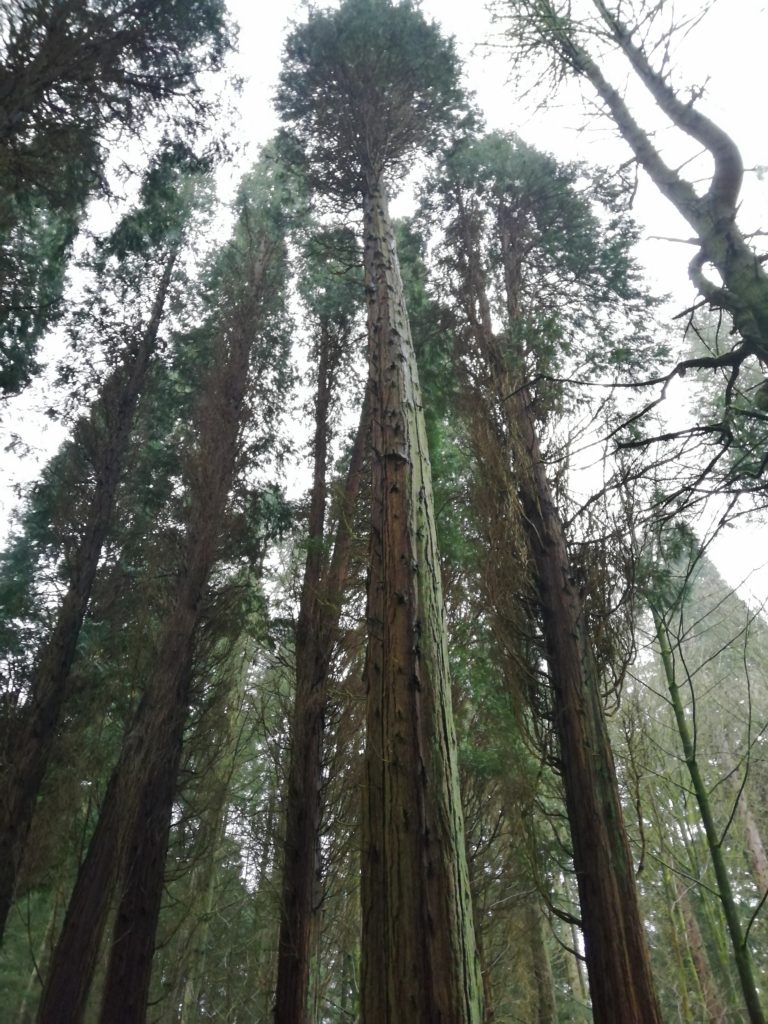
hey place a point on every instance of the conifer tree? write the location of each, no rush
(131, 835)
(331, 296)
(363, 88)
(143, 248)
(505, 198)
(70, 72)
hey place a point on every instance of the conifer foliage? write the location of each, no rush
(353, 668)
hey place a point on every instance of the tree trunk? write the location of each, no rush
(618, 963)
(147, 755)
(713, 1007)
(129, 972)
(315, 632)
(741, 953)
(29, 745)
(419, 958)
(758, 857)
(544, 983)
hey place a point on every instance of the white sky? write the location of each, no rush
(726, 51)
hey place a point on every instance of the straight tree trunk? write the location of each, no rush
(618, 963)
(139, 783)
(616, 951)
(125, 996)
(546, 1011)
(419, 958)
(29, 745)
(316, 627)
(758, 857)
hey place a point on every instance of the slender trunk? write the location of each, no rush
(618, 963)
(129, 972)
(575, 968)
(303, 811)
(315, 639)
(713, 1007)
(29, 745)
(674, 935)
(419, 958)
(741, 953)
(144, 760)
(546, 1011)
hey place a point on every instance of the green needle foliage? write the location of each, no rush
(363, 88)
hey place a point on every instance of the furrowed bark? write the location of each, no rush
(30, 742)
(617, 958)
(144, 759)
(419, 958)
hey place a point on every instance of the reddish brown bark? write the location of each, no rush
(617, 958)
(419, 958)
(152, 741)
(129, 971)
(28, 746)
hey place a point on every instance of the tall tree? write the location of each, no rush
(666, 598)
(132, 830)
(363, 88)
(331, 296)
(506, 199)
(144, 247)
(69, 73)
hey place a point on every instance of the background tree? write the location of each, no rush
(130, 838)
(549, 27)
(516, 228)
(143, 248)
(70, 73)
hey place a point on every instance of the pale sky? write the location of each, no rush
(726, 52)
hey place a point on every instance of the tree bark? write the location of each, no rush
(419, 958)
(618, 962)
(315, 633)
(29, 744)
(140, 781)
